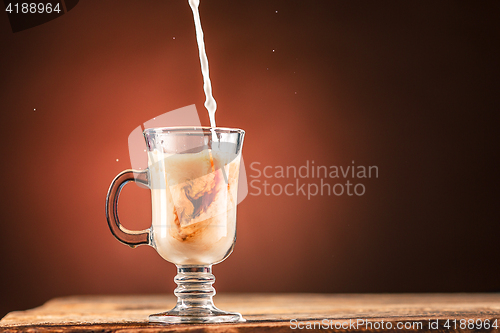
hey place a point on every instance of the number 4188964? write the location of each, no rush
(471, 324)
(32, 8)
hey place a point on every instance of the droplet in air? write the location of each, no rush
(117, 160)
(276, 12)
(273, 50)
(173, 37)
(34, 109)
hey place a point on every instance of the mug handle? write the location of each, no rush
(128, 237)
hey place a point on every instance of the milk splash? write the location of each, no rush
(210, 103)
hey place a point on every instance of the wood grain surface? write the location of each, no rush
(267, 313)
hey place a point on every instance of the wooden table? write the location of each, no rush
(269, 313)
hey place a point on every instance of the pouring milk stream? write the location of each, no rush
(210, 103)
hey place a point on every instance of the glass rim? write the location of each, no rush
(192, 130)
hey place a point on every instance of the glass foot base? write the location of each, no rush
(193, 315)
(194, 299)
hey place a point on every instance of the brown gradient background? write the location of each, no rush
(411, 87)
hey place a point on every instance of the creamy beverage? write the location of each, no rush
(194, 208)
(194, 194)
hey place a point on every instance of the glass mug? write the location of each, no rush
(193, 177)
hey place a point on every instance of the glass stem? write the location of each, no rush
(194, 299)
(194, 287)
